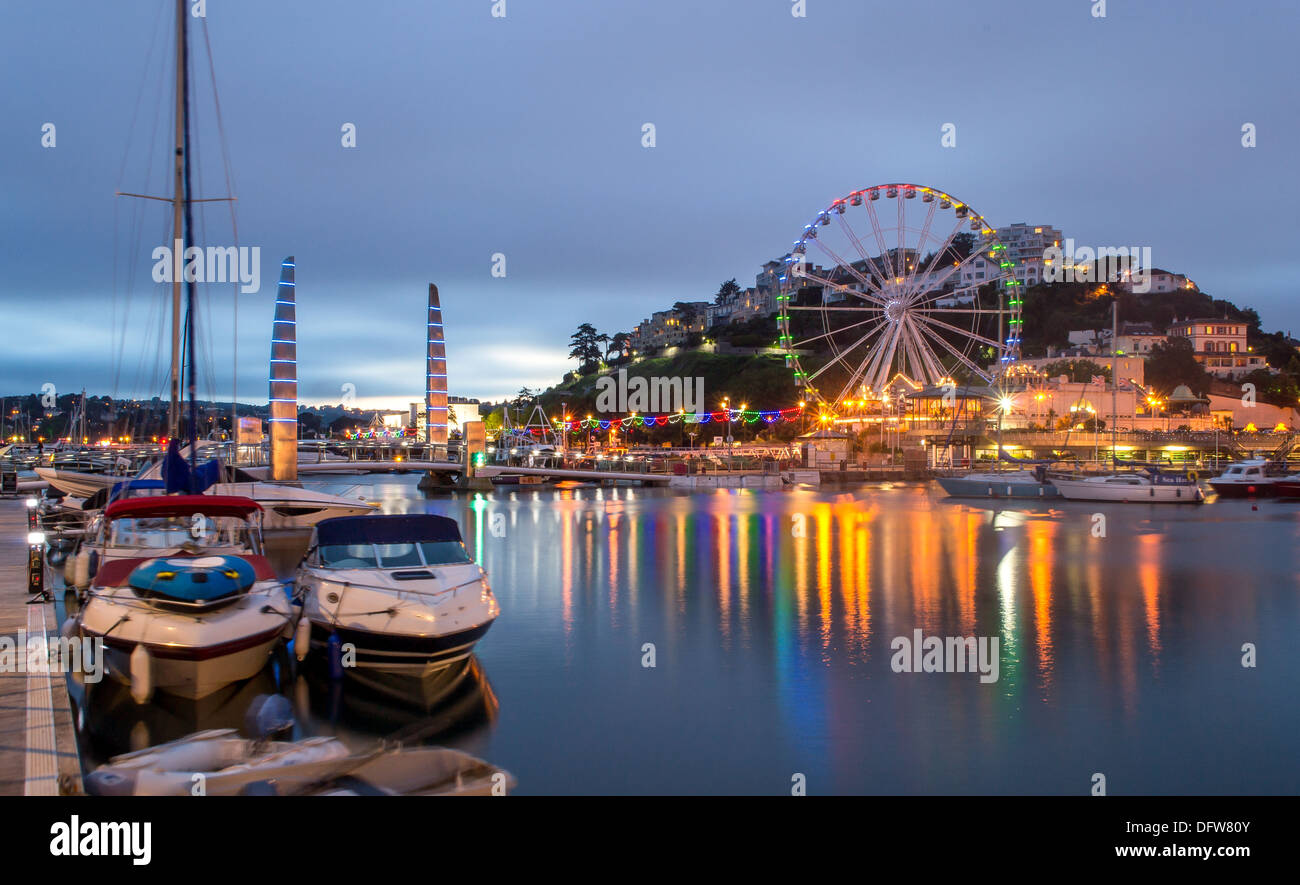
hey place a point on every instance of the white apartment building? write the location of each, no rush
(1025, 244)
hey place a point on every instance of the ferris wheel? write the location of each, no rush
(921, 289)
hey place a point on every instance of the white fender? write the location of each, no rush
(302, 638)
(141, 674)
(81, 568)
(70, 568)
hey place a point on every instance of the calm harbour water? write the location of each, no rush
(772, 614)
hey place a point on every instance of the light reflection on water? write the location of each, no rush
(771, 615)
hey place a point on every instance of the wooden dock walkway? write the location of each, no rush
(38, 749)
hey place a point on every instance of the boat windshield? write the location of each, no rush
(162, 532)
(426, 553)
(444, 553)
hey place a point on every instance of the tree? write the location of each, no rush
(687, 311)
(729, 289)
(1277, 390)
(1078, 371)
(584, 348)
(1174, 363)
(603, 340)
(618, 344)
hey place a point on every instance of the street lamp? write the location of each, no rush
(726, 404)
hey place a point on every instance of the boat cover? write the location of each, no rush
(406, 528)
(183, 505)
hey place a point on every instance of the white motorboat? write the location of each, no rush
(400, 589)
(78, 485)
(1137, 488)
(294, 507)
(229, 765)
(202, 610)
(100, 541)
(286, 506)
(1245, 479)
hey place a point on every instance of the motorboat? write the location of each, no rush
(294, 507)
(226, 764)
(1245, 479)
(102, 541)
(286, 506)
(1287, 486)
(1004, 484)
(1151, 487)
(401, 590)
(183, 599)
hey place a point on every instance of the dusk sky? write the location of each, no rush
(522, 135)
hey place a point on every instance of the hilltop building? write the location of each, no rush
(1219, 345)
(1025, 244)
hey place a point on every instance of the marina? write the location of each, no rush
(626, 556)
(494, 399)
(1084, 650)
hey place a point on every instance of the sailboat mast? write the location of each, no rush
(178, 201)
(1114, 379)
(191, 365)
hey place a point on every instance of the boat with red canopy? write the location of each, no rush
(183, 600)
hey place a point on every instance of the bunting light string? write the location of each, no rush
(748, 416)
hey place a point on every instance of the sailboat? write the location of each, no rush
(1028, 480)
(288, 506)
(201, 608)
(1150, 487)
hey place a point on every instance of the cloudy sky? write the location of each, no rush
(522, 136)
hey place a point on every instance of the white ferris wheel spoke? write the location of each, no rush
(840, 356)
(840, 262)
(914, 280)
(796, 345)
(879, 233)
(840, 287)
(862, 250)
(933, 365)
(965, 360)
(947, 243)
(974, 336)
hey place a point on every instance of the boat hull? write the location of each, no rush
(189, 655)
(398, 653)
(1287, 488)
(1245, 489)
(990, 487)
(1146, 493)
(191, 674)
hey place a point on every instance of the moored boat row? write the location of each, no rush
(1154, 485)
(178, 592)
